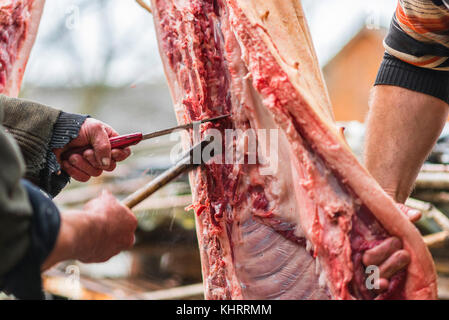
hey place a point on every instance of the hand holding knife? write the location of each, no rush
(132, 139)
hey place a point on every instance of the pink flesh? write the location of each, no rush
(19, 20)
(296, 234)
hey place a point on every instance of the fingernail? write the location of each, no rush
(106, 162)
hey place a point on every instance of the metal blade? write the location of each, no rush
(181, 127)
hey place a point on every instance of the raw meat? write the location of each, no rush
(300, 231)
(19, 22)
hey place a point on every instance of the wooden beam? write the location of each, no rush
(164, 203)
(437, 239)
(433, 196)
(432, 180)
(175, 293)
(430, 167)
(443, 288)
(430, 211)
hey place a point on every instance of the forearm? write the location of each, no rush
(402, 127)
(71, 234)
(101, 230)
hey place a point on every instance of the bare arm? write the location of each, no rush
(98, 232)
(402, 128)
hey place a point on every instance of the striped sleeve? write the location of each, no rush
(419, 34)
(417, 48)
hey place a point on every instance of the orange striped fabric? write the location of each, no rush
(419, 33)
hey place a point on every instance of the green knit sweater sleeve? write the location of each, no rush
(31, 124)
(38, 129)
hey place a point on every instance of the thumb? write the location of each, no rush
(413, 214)
(102, 146)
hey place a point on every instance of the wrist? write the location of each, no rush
(398, 193)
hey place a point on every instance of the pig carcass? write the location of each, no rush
(300, 231)
(19, 22)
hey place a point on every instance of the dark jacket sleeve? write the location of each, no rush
(24, 279)
(417, 55)
(29, 224)
(15, 209)
(38, 129)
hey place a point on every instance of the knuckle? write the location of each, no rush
(403, 256)
(103, 144)
(111, 168)
(96, 125)
(97, 173)
(73, 159)
(89, 153)
(396, 243)
(83, 178)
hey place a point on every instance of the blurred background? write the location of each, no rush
(101, 58)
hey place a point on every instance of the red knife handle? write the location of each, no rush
(119, 142)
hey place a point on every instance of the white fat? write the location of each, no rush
(234, 173)
(277, 189)
(309, 246)
(317, 266)
(322, 280)
(179, 108)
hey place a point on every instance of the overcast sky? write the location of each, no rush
(74, 41)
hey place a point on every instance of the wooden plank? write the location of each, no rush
(430, 211)
(442, 266)
(443, 288)
(432, 180)
(437, 239)
(438, 197)
(430, 167)
(84, 194)
(59, 283)
(164, 203)
(175, 293)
